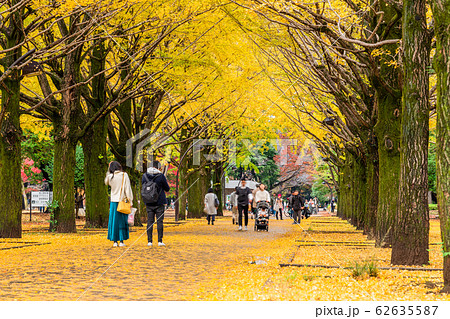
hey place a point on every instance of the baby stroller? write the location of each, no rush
(262, 216)
(306, 213)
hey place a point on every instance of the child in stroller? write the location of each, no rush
(262, 216)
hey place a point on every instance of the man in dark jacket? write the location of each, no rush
(297, 204)
(244, 197)
(156, 209)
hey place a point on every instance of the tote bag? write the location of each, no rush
(124, 206)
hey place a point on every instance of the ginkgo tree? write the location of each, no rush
(19, 23)
(102, 68)
(349, 52)
(442, 65)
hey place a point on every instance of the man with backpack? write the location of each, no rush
(154, 186)
(297, 204)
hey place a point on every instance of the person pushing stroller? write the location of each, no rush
(262, 199)
(262, 195)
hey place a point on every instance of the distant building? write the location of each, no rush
(230, 186)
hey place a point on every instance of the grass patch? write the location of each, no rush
(292, 276)
(365, 270)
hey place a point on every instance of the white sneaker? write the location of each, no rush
(121, 245)
(115, 245)
(240, 228)
(150, 244)
(161, 244)
(245, 228)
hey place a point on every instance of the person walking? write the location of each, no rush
(262, 195)
(316, 206)
(211, 204)
(234, 207)
(297, 204)
(312, 206)
(253, 206)
(155, 180)
(118, 229)
(279, 207)
(244, 195)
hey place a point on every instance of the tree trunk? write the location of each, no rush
(218, 187)
(180, 202)
(345, 190)
(388, 133)
(359, 193)
(182, 194)
(10, 157)
(94, 145)
(66, 131)
(388, 127)
(387, 130)
(63, 184)
(339, 194)
(124, 110)
(196, 193)
(348, 202)
(372, 195)
(441, 9)
(95, 166)
(136, 185)
(199, 181)
(411, 228)
(11, 133)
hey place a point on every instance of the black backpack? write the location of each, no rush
(150, 190)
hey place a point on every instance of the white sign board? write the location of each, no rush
(41, 199)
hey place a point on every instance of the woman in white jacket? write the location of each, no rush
(118, 229)
(262, 194)
(211, 204)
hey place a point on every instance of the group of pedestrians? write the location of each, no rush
(244, 199)
(154, 187)
(154, 183)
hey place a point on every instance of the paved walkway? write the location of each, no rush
(84, 266)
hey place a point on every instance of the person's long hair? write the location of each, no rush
(113, 167)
